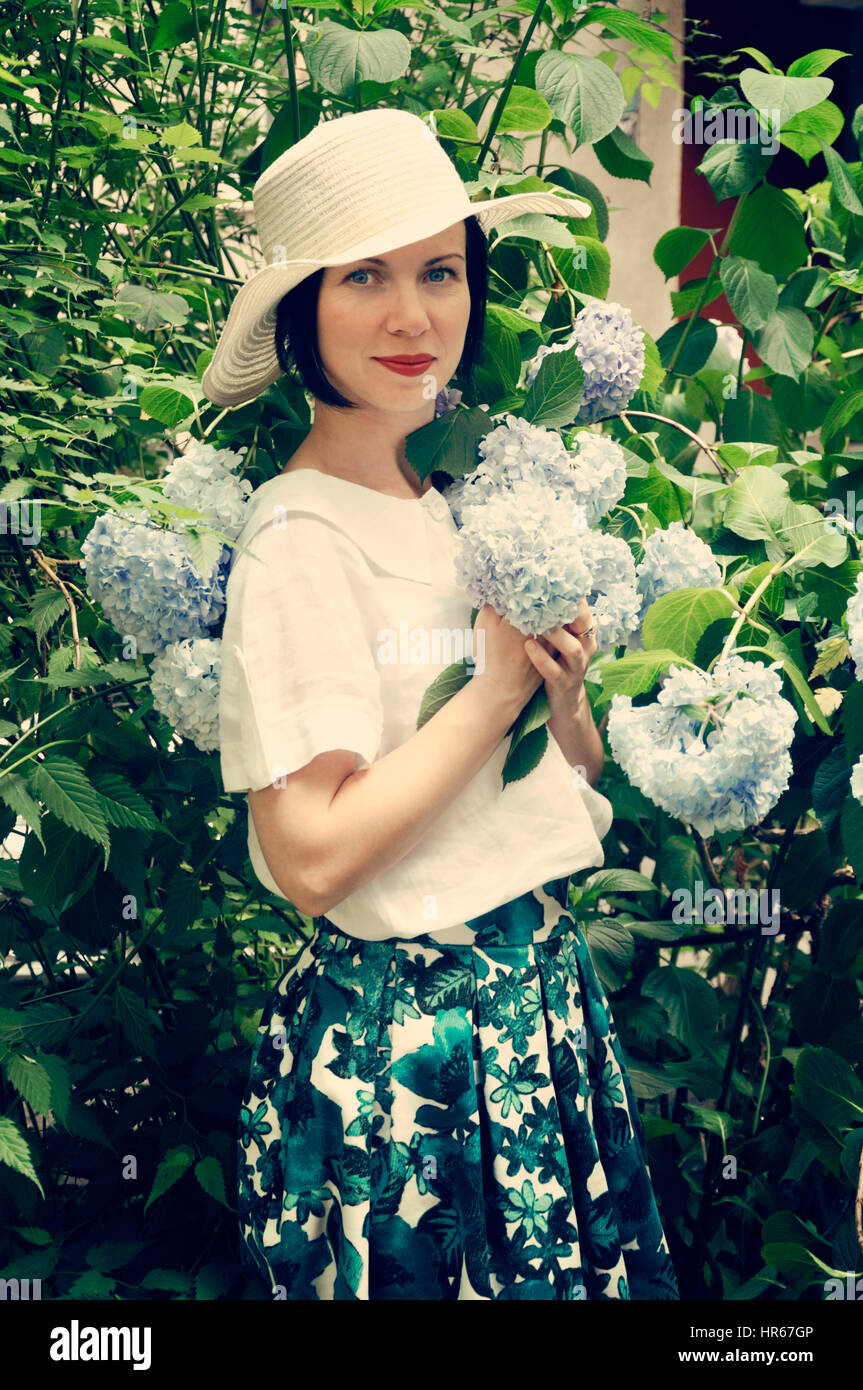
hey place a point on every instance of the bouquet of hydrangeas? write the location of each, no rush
(531, 511)
(165, 588)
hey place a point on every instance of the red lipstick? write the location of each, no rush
(407, 364)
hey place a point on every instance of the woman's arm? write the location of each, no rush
(326, 829)
(579, 739)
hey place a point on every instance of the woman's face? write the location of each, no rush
(391, 328)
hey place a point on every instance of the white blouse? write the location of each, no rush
(342, 613)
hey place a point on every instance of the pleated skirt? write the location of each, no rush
(447, 1117)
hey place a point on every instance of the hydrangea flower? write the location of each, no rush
(203, 479)
(185, 680)
(521, 553)
(610, 348)
(727, 780)
(593, 475)
(675, 558)
(446, 400)
(857, 779)
(598, 473)
(854, 616)
(514, 452)
(147, 584)
(613, 598)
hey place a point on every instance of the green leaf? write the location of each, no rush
(13, 791)
(827, 1086)
(31, 1081)
(689, 1001)
(212, 1179)
(811, 64)
(734, 167)
(450, 443)
(170, 1170)
(587, 267)
(525, 110)
(557, 391)
(700, 342)
(582, 92)
(62, 867)
(636, 672)
(67, 792)
(841, 413)
(136, 1020)
(607, 881)
(756, 503)
(92, 1285)
(46, 608)
(15, 1152)
(455, 125)
(621, 157)
(121, 805)
(340, 58)
(786, 340)
(750, 291)
(844, 185)
(786, 95)
(677, 620)
(113, 1254)
(834, 587)
(56, 1068)
(174, 27)
(626, 25)
(442, 688)
(716, 1121)
(770, 230)
(166, 405)
(525, 756)
(677, 247)
(183, 905)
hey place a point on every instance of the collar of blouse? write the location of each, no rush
(391, 531)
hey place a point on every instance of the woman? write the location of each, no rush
(438, 1106)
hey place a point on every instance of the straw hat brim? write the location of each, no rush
(245, 362)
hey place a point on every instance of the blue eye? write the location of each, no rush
(444, 270)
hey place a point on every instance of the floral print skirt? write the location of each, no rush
(447, 1117)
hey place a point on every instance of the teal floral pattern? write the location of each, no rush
(448, 1117)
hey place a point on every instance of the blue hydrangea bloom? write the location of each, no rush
(204, 480)
(521, 553)
(613, 598)
(610, 348)
(675, 558)
(592, 476)
(726, 780)
(185, 680)
(854, 617)
(598, 473)
(146, 582)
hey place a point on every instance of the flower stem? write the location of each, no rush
(507, 86)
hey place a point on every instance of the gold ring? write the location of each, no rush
(587, 631)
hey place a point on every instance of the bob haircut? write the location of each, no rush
(296, 323)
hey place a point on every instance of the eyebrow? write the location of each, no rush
(376, 260)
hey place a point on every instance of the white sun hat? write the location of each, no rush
(356, 186)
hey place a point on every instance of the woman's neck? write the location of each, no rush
(368, 451)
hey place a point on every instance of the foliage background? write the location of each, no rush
(139, 945)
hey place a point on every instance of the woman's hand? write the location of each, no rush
(562, 656)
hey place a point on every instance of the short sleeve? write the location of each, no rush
(299, 675)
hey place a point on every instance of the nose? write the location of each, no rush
(406, 311)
